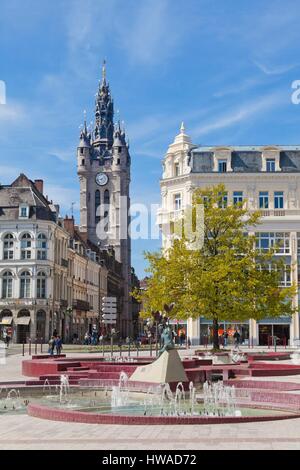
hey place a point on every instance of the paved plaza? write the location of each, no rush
(24, 432)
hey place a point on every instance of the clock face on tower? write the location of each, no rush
(101, 179)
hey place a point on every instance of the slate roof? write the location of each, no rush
(23, 191)
(245, 159)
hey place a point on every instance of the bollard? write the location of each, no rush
(268, 342)
(137, 350)
(29, 350)
(35, 347)
(23, 349)
(41, 345)
(284, 342)
(120, 350)
(150, 348)
(129, 346)
(103, 348)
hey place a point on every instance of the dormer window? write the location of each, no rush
(270, 159)
(270, 165)
(222, 166)
(23, 212)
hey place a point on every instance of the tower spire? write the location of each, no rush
(104, 72)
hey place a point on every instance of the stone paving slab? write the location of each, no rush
(31, 433)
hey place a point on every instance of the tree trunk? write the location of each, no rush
(215, 334)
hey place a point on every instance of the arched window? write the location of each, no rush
(26, 246)
(97, 204)
(25, 285)
(8, 246)
(107, 223)
(41, 285)
(42, 247)
(7, 285)
(106, 196)
(176, 169)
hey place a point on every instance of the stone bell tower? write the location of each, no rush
(103, 167)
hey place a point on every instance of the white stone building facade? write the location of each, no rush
(266, 178)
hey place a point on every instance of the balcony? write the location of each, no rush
(165, 216)
(81, 305)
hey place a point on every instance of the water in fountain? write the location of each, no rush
(236, 355)
(47, 387)
(120, 392)
(12, 401)
(193, 400)
(219, 400)
(179, 399)
(64, 388)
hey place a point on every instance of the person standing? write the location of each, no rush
(58, 345)
(236, 338)
(51, 345)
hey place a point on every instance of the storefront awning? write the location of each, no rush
(23, 321)
(6, 321)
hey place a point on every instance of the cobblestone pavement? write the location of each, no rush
(25, 432)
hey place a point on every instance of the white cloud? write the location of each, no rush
(243, 113)
(274, 70)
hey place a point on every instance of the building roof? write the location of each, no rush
(245, 159)
(24, 191)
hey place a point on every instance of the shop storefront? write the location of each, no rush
(269, 328)
(6, 324)
(206, 332)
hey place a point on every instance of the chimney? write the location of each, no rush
(69, 225)
(39, 184)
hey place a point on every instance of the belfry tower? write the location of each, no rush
(103, 167)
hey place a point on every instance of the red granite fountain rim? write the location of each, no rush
(53, 414)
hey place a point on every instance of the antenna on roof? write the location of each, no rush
(72, 209)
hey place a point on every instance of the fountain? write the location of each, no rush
(219, 400)
(120, 393)
(64, 388)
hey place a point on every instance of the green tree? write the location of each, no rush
(227, 278)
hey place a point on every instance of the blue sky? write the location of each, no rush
(225, 67)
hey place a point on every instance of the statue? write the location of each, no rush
(167, 340)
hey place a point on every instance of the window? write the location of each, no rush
(286, 279)
(26, 246)
(222, 166)
(41, 286)
(264, 200)
(81, 150)
(97, 206)
(223, 201)
(25, 285)
(106, 196)
(177, 170)
(42, 247)
(8, 246)
(7, 284)
(278, 200)
(24, 212)
(237, 197)
(270, 165)
(83, 162)
(177, 202)
(267, 240)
